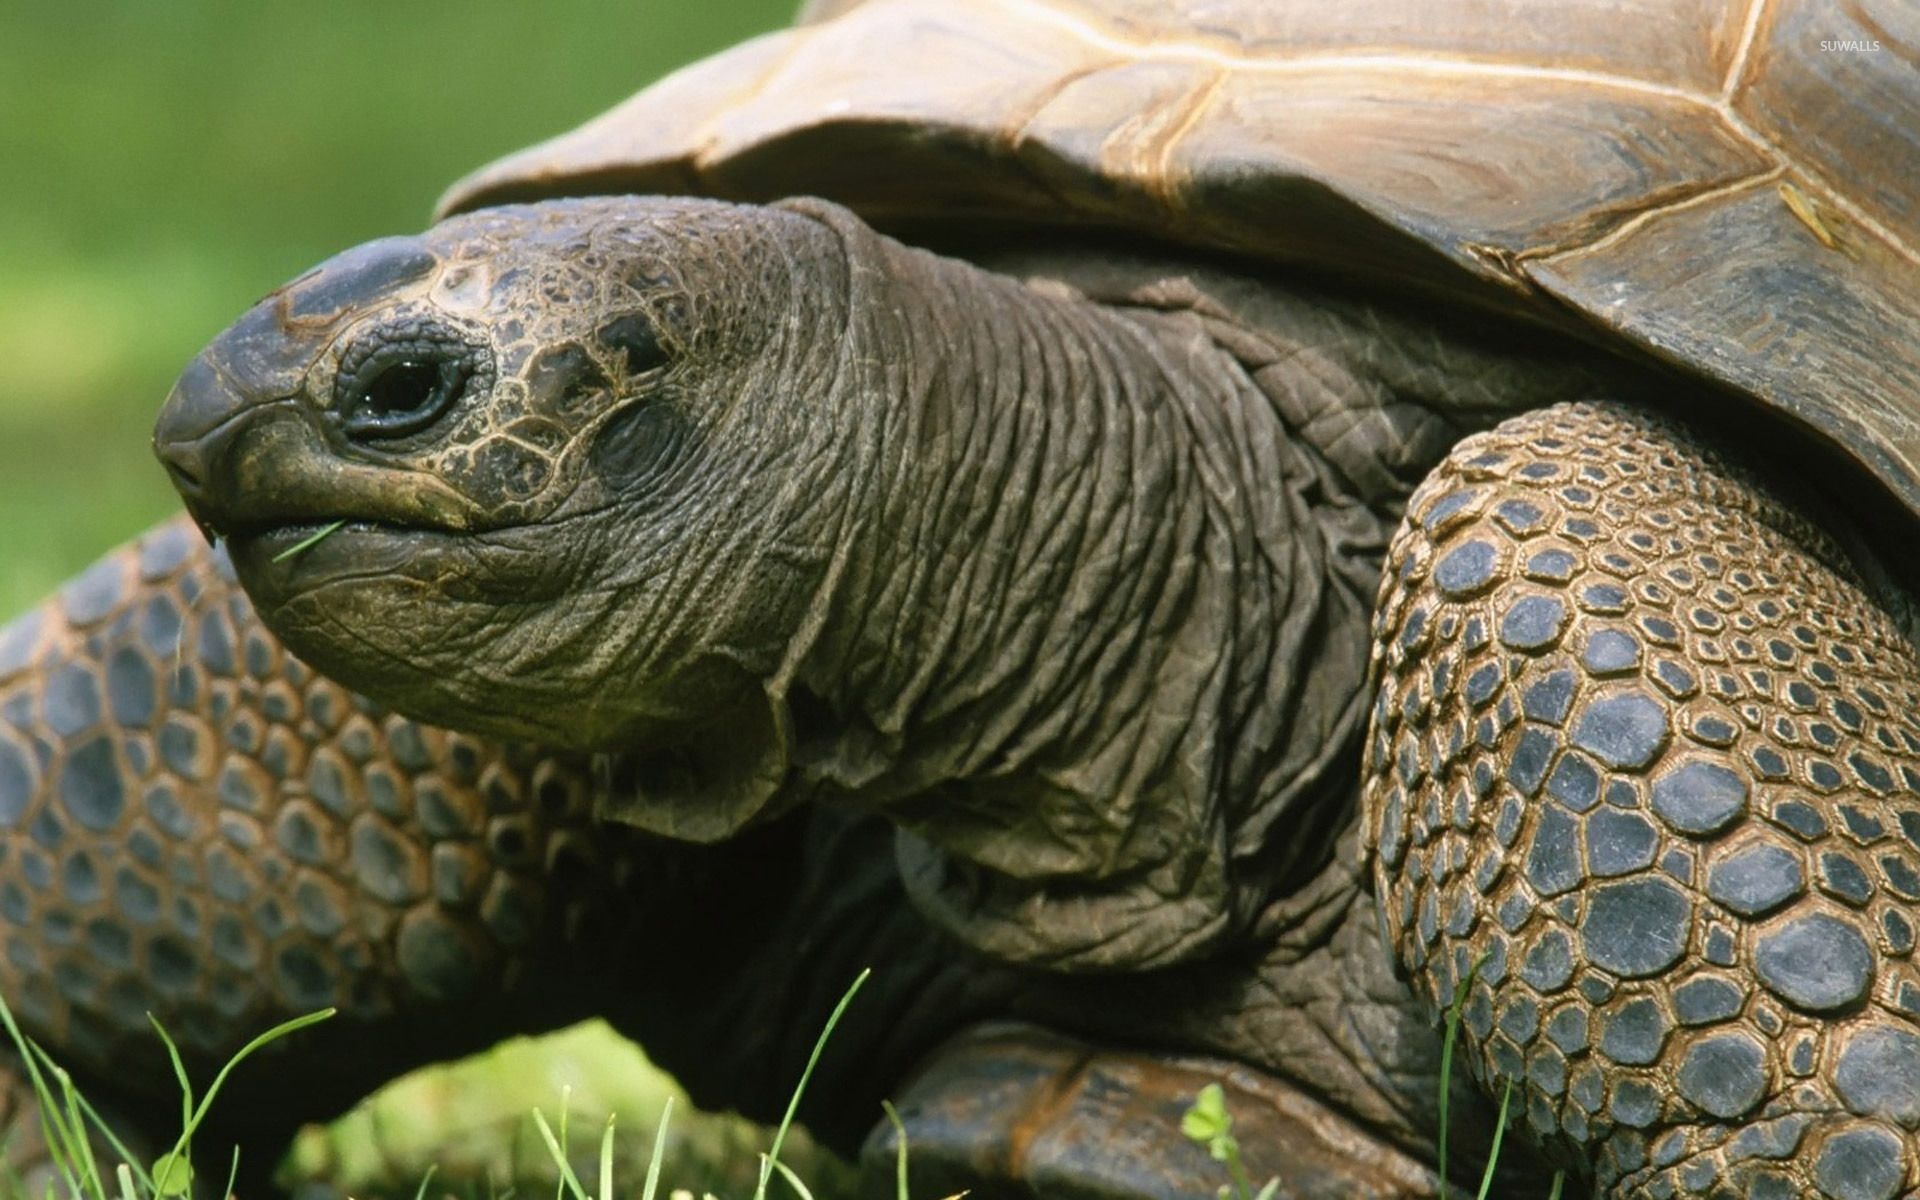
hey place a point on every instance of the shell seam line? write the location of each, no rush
(1010, 139)
(1081, 26)
(1160, 177)
(1628, 227)
(1737, 67)
(1189, 50)
(1016, 130)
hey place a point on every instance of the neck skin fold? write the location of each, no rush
(1086, 641)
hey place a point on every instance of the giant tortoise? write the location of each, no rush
(1188, 534)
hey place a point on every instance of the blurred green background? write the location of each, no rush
(163, 163)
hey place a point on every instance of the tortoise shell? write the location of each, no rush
(1730, 185)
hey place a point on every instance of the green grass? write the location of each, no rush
(91, 1162)
(1450, 1037)
(1209, 1123)
(313, 539)
(72, 1127)
(75, 1134)
(471, 1124)
(77, 1137)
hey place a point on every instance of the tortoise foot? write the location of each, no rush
(1012, 1110)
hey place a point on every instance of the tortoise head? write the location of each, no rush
(554, 450)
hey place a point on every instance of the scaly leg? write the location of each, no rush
(193, 825)
(1646, 763)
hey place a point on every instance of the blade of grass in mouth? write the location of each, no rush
(308, 542)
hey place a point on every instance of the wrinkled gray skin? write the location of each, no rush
(772, 509)
(1064, 566)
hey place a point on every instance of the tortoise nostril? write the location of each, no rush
(196, 420)
(184, 467)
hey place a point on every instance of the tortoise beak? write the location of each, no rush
(239, 438)
(195, 436)
(247, 464)
(255, 365)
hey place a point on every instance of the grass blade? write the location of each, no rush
(63, 1140)
(178, 1153)
(653, 1164)
(51, 1125)
(279, 1031)
(420, 1193)
(1446, 1062)
(1499, 1132)
(1559, 1181)
(179, 1069)
(793, 1180)
(166, 1181)
(128, 1160)
(605, 1177)
(566, 1145)
(568, 1180)
(900, 1158)
(309, 542)
(86, 1166)
(772, 1157)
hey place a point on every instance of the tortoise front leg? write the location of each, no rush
(1646, 764)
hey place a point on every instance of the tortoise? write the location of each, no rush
(1199, 537)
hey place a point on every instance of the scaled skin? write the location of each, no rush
(1066, 567)
(1681, 724)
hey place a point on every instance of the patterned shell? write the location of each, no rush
(1731, 185)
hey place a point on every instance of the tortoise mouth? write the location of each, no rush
(281, 535)
(337, 546)
(390, 566)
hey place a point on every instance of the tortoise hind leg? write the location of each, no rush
(193, 825)
(1010, 1111)
(1646, 760)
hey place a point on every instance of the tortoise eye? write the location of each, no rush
(403, 397)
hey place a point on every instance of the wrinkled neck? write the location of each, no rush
(1088, 648)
